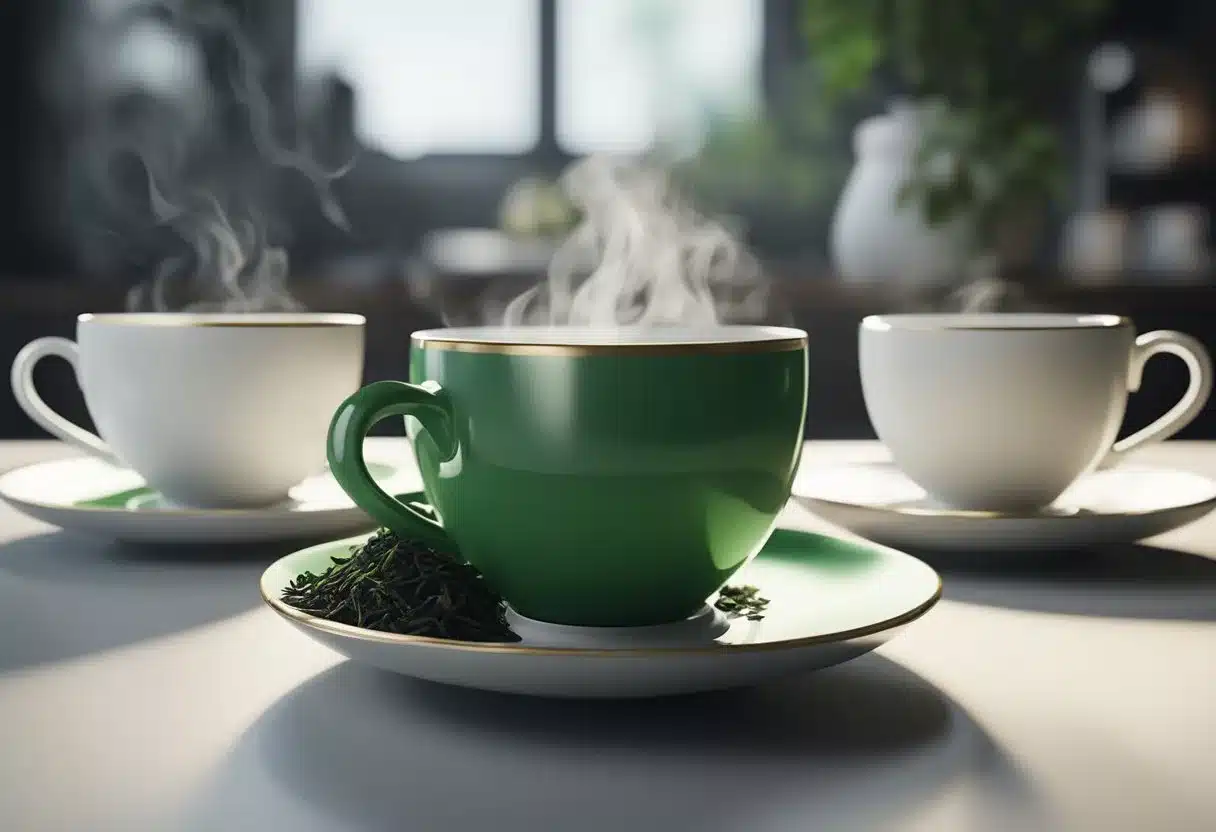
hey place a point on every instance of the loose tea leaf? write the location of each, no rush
(409, 588)
(742, 602)
(404, 587)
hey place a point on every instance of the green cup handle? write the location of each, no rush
(426, 402)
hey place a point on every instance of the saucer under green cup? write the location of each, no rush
(596, 478)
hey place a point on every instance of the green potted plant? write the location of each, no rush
(989, 80)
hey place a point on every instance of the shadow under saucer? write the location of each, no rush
(852, 747)
(1133, 580)
(64, 595)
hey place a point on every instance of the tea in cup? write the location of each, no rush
(1003, 412)
(595, 477)
(212, 410)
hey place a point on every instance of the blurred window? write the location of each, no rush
(458, 76)
(464, 76)
(632, 73)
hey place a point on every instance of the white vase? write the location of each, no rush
(874, 238)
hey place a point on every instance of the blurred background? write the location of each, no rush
(399, 158)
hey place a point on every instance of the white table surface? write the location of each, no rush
(146, 689)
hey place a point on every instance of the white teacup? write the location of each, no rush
(213, 410)
(1002, 412)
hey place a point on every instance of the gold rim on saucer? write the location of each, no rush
(961, 513)
(1073, 513)
(362, 634)
(359, 633)
(287, 508)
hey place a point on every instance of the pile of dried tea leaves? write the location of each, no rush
(404, 587)
(410, 588)
(742, 602)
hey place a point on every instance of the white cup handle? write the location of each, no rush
(27, 396)
(1188, 407)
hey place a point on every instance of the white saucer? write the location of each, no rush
(1121, 505)
(88, 495)
(830, 600)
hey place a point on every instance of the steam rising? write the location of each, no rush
(216, 20)
(640, 256)
(984, 294)
(985, 291)
(190, 192)
(232, 262)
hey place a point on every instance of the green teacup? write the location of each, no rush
(597, 478)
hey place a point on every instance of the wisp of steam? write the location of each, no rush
(641, 256)
(216, 20)
(234, 268)
(232, 258)
(226, 259)
(985, 291)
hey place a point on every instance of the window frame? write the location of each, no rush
(464, 190)
(779, 50)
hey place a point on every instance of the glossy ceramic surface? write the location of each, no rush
(595, 482)
(1003, 412)
(215, 411)
(1120, 505)
(88, 495)
(830, 601)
